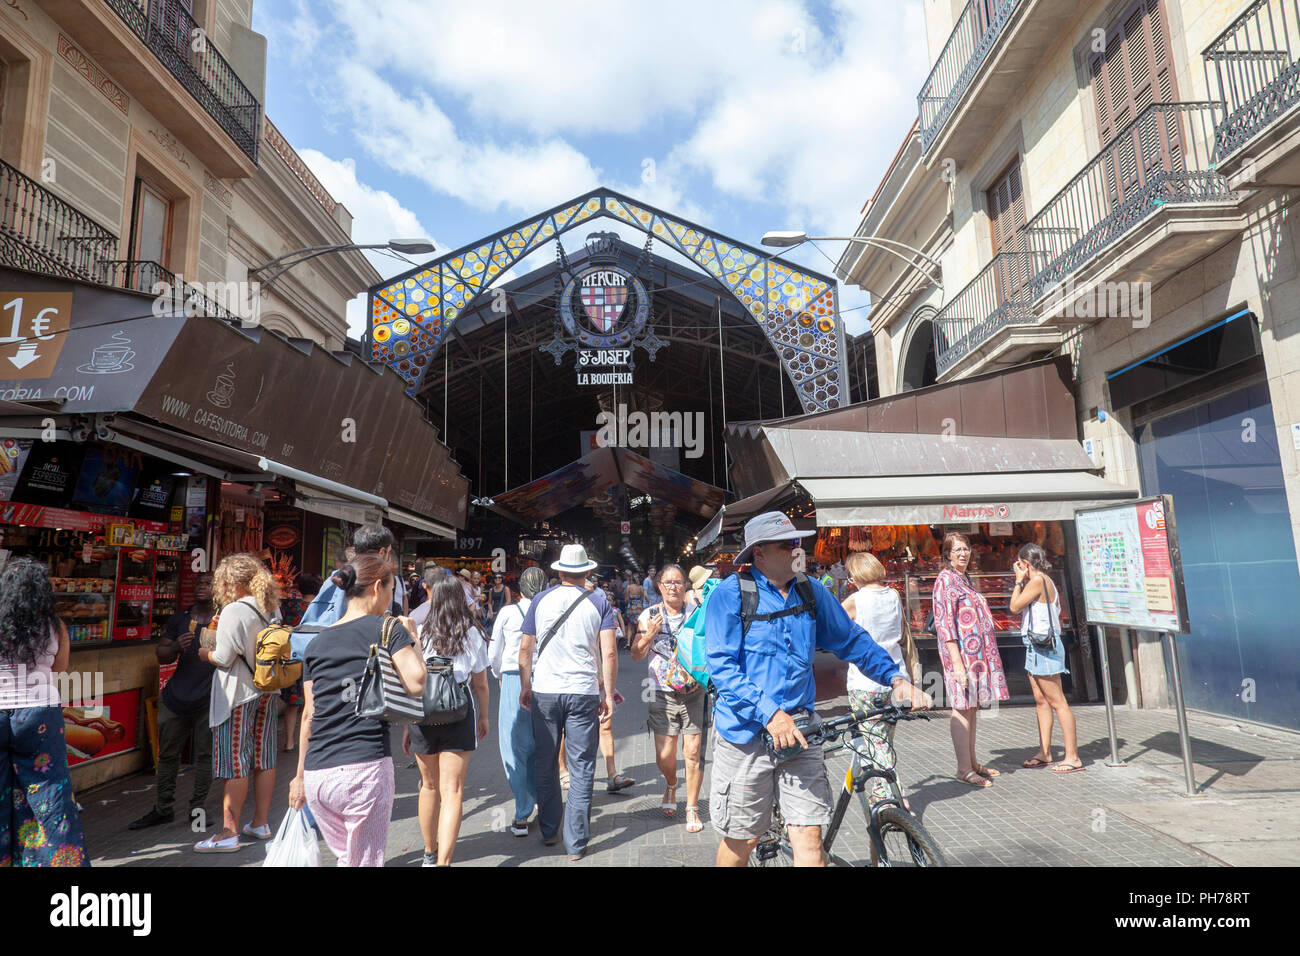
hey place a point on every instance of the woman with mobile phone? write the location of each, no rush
(1038, 601)
(677, 705)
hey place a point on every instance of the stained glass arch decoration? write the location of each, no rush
(410, 315)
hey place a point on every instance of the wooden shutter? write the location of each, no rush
(1135, 71)
(1006, 203)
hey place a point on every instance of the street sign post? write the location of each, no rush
(1132, 575)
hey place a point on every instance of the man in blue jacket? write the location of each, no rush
(330, 603)
(764, 674)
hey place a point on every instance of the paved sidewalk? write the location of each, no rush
(1134, 814)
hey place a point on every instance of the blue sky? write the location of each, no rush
(454, 120)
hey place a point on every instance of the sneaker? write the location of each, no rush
(551, 840)
(578, 856)
(151, 819)
(430, 859)
(519, 829)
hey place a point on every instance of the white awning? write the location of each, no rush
(423, 524)
(958, 499)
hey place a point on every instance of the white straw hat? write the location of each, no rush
(573, 560)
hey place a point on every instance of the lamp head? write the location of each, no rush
(784, 238)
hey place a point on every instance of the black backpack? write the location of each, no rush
(749, 601)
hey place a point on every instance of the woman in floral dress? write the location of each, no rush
(39, 823)
(968, 651)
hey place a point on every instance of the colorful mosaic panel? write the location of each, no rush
(410, 316)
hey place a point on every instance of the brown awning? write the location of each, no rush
(291, 402)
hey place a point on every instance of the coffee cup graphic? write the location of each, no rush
(113, 356)
(223, 390)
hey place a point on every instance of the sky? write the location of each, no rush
(453, 121)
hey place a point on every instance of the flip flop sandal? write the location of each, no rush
(984, 771)
(1064, 768)
(620, 781)
(693, 822)
(1034, 762)
(978, 781)
(213, 845)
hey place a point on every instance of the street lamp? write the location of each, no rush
(410, 247)
(794, 237)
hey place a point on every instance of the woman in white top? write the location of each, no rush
(242, 718)
(673, 713)
(39, 822)
(443, 752)
(878, 610)
(514, 724)
(1039, 603)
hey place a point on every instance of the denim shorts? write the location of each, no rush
(1045, 663)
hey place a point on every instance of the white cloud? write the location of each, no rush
(377, 216)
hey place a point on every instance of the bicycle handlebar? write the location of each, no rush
(830, 730)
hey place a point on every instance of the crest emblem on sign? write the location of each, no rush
(603, 305)
(604, 294)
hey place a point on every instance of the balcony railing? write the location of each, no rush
(144, 275)
(994, 299)
(169, 30)
(1163, 156)
(39, 232)
(974, 35)
(1252, 67)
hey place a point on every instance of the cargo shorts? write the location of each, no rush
(747, 781)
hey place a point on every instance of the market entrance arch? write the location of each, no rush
(411, 315)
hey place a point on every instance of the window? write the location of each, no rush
(1006, 205)
(151, 222)
(1134, 71)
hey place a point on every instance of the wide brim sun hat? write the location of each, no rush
(768, 527)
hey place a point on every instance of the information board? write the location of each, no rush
(1130, 565)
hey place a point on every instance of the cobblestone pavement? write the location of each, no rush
(1248, 810)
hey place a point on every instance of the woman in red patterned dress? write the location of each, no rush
(968, 651)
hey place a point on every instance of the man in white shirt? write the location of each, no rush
(569, 687)
(514, 724)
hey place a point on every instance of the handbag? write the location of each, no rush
(1041, 642)
(382, 696)
(445, 700)
(676, 676)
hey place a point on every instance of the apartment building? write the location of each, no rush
(134, 148)
(1114, 181)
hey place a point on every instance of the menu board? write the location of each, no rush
(1131, 567)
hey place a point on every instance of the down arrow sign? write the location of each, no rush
(25, 355)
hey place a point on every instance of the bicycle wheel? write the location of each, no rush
(773, 849)
(906, 842)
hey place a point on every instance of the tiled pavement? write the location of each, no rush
(1133, 814)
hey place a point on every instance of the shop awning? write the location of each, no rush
(958, 499)
(324, 414)
(595, 471)
(732, 516)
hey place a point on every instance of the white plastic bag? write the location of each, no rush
(295, 843)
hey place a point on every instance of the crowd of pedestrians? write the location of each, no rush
(553, 648)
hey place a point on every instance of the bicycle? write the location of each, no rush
(897, 836)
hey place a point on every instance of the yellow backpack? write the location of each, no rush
(274, 670)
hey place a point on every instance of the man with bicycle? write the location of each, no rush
(763, 670)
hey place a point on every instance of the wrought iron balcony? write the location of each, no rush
(1162, 156)
(169, 30)
(39, 232)
(955, 68)
(144, 275)
(996, 298)
(1254, 70)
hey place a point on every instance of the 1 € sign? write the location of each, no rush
(33, 328)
